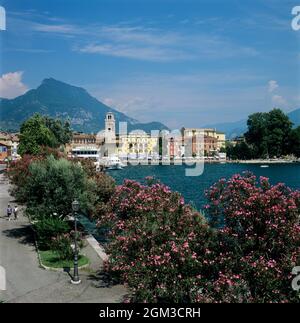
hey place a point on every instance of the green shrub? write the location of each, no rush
(103, 189)
(53, 185)
(62, 246)
(48, 228)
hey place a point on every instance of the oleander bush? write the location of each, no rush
(61, 245)
(18, 174)
(48, 228)
(166, 251)
(156, 241)
(260, 233)
(88, 165)
(104, 188)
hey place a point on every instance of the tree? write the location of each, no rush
(53, 185)
(294, 142)
(61, 130)
(256, 134)
(279, 127)
(269, 133)
(239, 151)
(39, 131)
(34, 134)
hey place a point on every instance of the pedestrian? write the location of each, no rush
(16, 210)
(9, 212)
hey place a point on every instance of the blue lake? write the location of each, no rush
(193, 188)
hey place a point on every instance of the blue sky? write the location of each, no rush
(184, 63)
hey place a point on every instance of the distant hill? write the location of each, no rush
(295, 117)
(237, 128)
(61, 100)
(231, 129)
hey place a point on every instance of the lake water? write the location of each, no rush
(193, 188)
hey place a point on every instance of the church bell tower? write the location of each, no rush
(110, 125)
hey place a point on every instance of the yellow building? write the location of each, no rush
(137, 145)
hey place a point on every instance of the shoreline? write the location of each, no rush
(223, 161)
(264, 161)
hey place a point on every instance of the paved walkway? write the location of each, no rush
(27, 282)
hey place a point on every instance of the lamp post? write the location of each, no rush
(75, 280)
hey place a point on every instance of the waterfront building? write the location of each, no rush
(137, 145)
(204, 141)
(106, 139)
(5, 151)
(9, 145)
(172, 144)
(83, 145)
(193, 142)
(210, 146)
(219, 136)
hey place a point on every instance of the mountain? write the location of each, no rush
(61, 100)
(295, 117)
(231, 129)
(237, 128)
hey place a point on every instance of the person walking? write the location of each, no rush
(9, 212)
(16, 210)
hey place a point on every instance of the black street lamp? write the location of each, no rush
(75, 280)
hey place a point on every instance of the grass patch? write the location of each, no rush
(50, 258)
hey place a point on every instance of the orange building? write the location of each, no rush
(5, 150)
(210, 145)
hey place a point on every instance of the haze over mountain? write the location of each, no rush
(237, 128)
(61, 100)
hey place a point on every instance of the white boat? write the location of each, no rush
(264, 166)
(114, 163)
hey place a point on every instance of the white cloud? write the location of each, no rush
(11, 85)
(136, 52)
(136, 40)
(279, 101)
(195, 99)
(272, 86)
(158, 45)
(60, 29)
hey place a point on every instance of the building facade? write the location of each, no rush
(137, 145)
(189, 142)
(83, 146)
(9, 146)
(204, 141)
(5, 151)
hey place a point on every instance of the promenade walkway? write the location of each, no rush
(27, 282)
